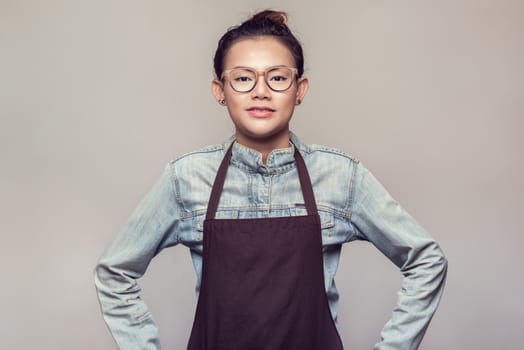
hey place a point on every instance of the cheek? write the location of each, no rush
(232, 98)
(234, 95)
(235, 105)
(288, 101)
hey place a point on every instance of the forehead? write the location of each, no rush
(259, 52)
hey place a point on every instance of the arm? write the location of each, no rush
(150, 228)
(379, 219)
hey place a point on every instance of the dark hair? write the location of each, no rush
(264, 23)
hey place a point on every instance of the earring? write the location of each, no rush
(222, 102)
(299, 101)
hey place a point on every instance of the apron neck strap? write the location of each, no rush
(218, 185)
(305, 184)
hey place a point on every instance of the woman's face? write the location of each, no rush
(261, 116)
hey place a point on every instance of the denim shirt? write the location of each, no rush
(352, 205)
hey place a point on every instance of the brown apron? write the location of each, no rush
(262, 282)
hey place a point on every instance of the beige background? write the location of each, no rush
(96, 96)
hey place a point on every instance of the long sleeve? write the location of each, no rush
(379, 219)
(151, 227)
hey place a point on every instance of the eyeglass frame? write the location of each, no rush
(258, 74)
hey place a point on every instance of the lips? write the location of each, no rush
(260, 111)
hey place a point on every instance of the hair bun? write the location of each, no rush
(276, 17)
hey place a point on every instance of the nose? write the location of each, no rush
(261, 90)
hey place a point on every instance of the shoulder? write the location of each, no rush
(203, 157)
(205, 152)
(330, 152)
(322, 153)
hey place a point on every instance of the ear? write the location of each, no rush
(218, 90)
(302, 87)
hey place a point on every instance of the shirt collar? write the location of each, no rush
(278, 161)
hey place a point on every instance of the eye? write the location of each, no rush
(279, 75)
(242, 75)
(243, 79)
(278, 78)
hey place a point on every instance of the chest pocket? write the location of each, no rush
(198, 220)
(327, 221)
(192, 230)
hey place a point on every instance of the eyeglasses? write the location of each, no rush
(244, 79)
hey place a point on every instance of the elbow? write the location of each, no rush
(443, 263)
(430, 262)
(98, 272)
(439, 265)
(440, 259)
(103, 275)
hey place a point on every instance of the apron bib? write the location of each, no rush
(262, 284)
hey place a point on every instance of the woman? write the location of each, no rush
(264, 216)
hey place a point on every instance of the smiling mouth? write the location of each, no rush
(260, 112)
(260, 109)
